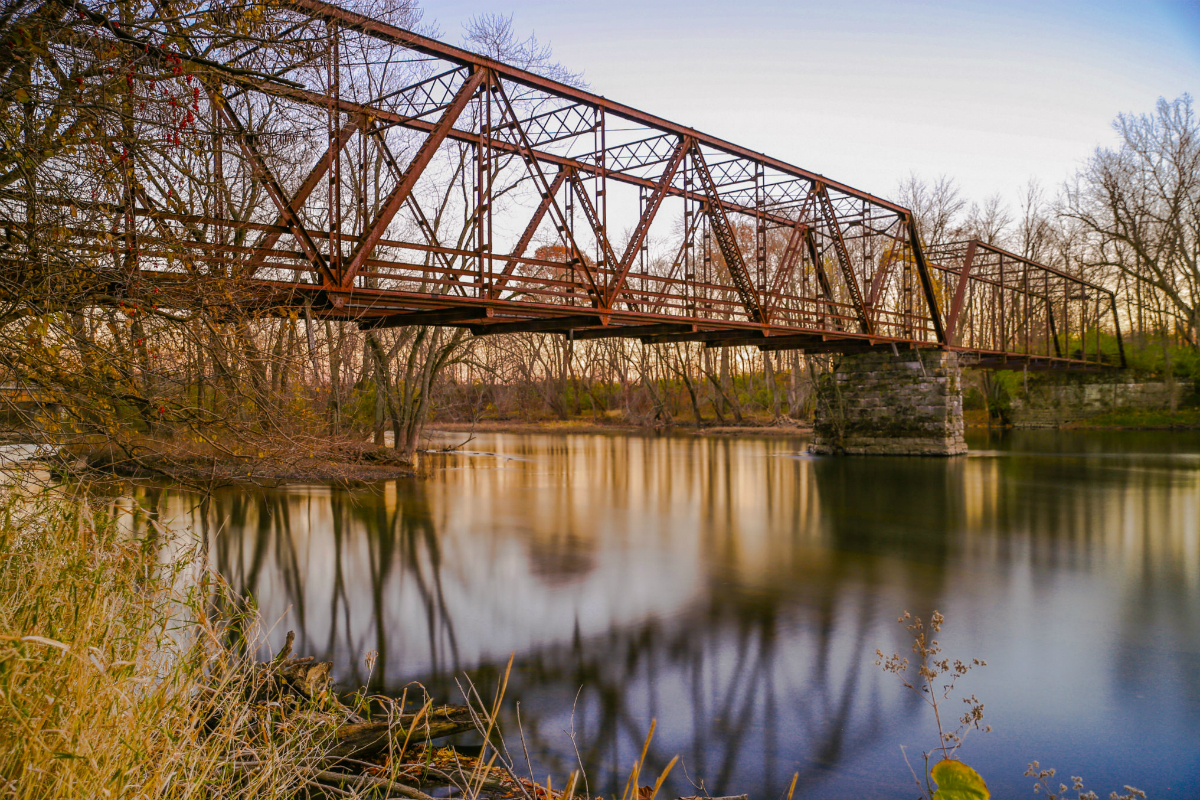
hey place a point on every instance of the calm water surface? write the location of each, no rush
(736, 590)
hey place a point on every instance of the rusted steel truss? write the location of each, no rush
(464, 191)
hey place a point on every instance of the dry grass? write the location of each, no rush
(111, 684)
(117, 680)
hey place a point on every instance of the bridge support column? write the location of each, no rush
(885, 403)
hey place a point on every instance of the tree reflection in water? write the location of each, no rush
(736, 591)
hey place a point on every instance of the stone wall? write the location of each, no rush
(1069, 400)
(883, 403)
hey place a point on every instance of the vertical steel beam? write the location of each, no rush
(483, 187)
(334, 113)
(402, 190)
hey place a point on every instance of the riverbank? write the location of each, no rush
(1183, 419)
(336, 462)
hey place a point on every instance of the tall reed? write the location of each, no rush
(113, 684)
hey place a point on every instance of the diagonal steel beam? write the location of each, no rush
(814, 253)
(376, 133)
(306, 188)
(960, 292)
(533, 163)
(727, 242)
(423, 44)
(843, 257)
(404, 188)
(787, 265)
(935, 313)
(791, 254)
(500, 145)
(643, 226)
(527, 235)
(880, 277)
(274, 190)
(687, 242)
(609, 258)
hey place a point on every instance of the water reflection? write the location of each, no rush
(736, 590)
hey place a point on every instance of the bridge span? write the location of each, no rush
(425, 184)
(354, 170)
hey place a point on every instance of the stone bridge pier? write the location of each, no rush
(906, 402)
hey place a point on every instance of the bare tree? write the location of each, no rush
(937, 207)
(1139, 206)
(988, 222)
(1035, 228)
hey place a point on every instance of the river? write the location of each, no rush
(735, 590)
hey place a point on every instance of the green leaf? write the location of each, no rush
(22, 96)
(957, 781)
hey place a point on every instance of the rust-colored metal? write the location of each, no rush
(527, 235)
(405, 186)
(557, 170)
(834, 229)
(723, 232)
(960, 293)
(647, 217)
(286, 210)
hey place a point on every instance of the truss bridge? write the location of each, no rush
(390, 179)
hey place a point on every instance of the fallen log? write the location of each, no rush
(360, 781)
(366, 739)
(294, 679)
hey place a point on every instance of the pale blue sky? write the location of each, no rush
(991, 93)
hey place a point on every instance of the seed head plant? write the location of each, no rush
(934, 681)
(1042, 785)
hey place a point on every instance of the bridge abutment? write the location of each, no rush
(885, 403)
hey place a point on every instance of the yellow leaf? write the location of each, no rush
(957, 781)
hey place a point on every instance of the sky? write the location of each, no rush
(991, 94)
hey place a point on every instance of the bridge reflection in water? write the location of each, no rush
(736, 591)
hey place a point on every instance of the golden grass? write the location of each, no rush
(112, 685)
(117, 680)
